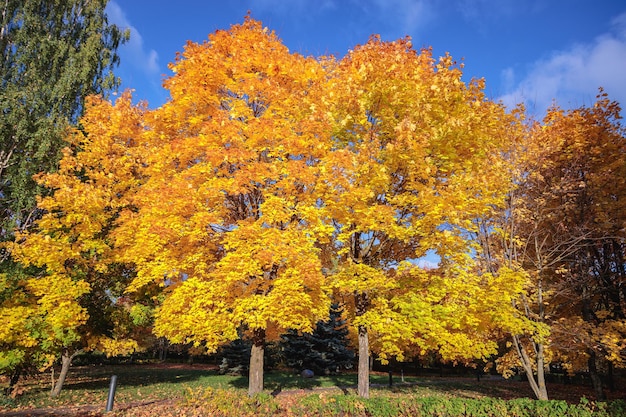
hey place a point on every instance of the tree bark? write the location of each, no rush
(541, 376)
(538, 385)
(361, 302)
(537, 382)
(163, 346)
(595, 376)
(364, 351)
(66, 362)
(255, 383)
(14, 377)
(364, 364)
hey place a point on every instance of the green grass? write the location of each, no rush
(90, 384)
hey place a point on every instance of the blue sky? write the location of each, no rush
(534, 51)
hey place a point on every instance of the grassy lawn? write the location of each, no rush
(146, 383)
(90, 384)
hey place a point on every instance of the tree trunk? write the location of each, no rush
(541, 376)
(163, 346)
(590, 317)
(255, 384)
(538, 385)
(595, 376)
(66, 362)
(364, 364)
(14, 377)
(361, 302)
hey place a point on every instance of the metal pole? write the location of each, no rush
(111, 393)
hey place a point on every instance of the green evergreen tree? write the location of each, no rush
(54, 54)
(325, 351)
(235, 357)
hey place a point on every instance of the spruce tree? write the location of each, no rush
(235, 357)
(325, 351)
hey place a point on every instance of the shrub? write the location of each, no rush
(343, 405)
(226, 403)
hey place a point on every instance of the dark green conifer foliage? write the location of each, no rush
(53, 54)
(235, 357)
(325, 351)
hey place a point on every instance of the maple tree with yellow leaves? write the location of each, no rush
(227, 218)
(67, 303)
(416, 160)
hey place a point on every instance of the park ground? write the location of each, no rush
(178, 389)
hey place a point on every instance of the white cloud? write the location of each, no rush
(133, 51)
(572, 77)
(427, 264)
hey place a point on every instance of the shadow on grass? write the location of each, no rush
(143, 382)
(157, 378)
(464, 388)
(98, 378)
(437, 387)
(279, 381)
